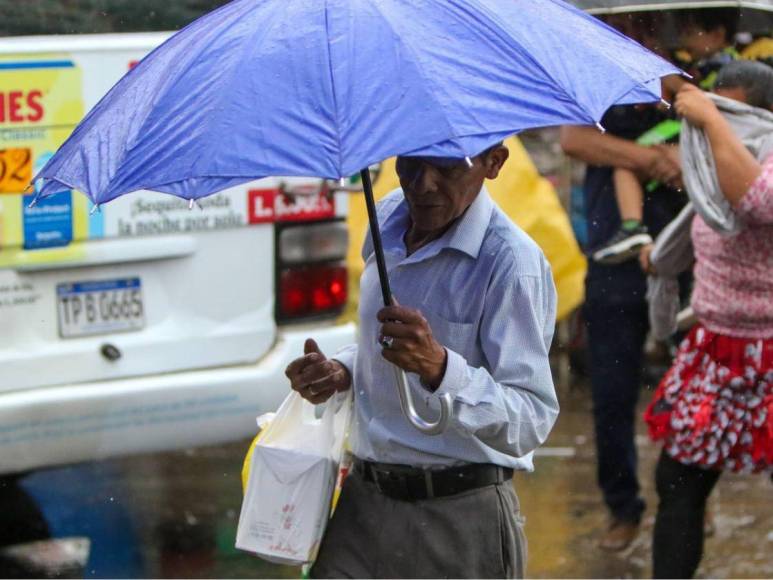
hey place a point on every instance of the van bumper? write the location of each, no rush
(92, 421)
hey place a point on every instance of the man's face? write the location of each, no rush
(701, 43)
(642, 27)
(439, 190)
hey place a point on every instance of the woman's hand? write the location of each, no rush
(693, 104)
(644, 259)
(736, 166)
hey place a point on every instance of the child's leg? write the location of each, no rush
(677, 544)
(632, 235)
(629, 195)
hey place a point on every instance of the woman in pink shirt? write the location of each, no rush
(714, 407)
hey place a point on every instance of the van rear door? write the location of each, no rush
(173, 291)
(143, 286)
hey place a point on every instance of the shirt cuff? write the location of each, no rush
(346, 356)
(455, 376)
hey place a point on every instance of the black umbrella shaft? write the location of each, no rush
(375, 235)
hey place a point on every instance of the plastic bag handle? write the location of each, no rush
(295, 420)
(284, 418)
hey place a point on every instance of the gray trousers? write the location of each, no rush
(475, 534)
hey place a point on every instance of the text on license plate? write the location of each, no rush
(100, 307)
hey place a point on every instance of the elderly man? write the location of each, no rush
(473, 318)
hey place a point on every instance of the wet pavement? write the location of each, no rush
(174, 515)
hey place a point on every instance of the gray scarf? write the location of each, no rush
(673, 251)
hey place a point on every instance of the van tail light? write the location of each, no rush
(312, 279)
(312, 291)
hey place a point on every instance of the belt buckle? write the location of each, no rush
(428, 485)
(391, 483)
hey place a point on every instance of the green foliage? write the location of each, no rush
(24, 17)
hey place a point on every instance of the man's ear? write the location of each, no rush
(495, 160)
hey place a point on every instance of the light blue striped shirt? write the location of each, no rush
(487, 292)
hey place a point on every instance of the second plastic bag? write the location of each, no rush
(292, 477)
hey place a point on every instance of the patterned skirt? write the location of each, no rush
(714, 407)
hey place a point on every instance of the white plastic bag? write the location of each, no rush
(292, 477)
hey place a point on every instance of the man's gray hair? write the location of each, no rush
(755, 78)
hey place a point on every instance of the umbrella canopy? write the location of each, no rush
(311, 88)
(327, 88)
(613, 6)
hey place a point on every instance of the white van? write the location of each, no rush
(147, 325)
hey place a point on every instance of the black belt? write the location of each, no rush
(408, 483)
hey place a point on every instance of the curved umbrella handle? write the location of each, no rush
(409, 410)
(406, 400)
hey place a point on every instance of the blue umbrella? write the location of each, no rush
(326, 88)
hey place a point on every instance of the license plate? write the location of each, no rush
(100, 307)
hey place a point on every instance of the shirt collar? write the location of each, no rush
(466, 235)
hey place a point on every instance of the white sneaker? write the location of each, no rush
(624, 245)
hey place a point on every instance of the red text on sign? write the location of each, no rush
(271, 205)
(21, 106)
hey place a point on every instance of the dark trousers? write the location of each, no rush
(473, 534)
(677, 544)
(616, 334)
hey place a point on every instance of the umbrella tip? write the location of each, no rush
(342, 182)
(190, 204)
(95, 209)
(468, 161)
(601, 127)
(665, 103)
(33, 203)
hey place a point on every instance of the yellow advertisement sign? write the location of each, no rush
(41, 101)
(15, 169)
